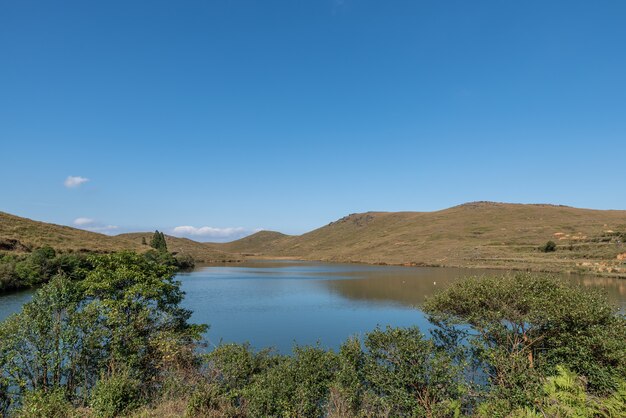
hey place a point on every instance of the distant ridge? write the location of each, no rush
(474, 234)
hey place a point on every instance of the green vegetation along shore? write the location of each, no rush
(117, 343)
(28, 269)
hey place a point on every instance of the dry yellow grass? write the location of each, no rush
(479, 234)
(18, 233)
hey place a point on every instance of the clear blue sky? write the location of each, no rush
(289, 114)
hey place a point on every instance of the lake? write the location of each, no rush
(279, 303)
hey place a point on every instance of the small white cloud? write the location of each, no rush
(220, 234)
(106, 229)
(74, 181)
(89, 224)
(83, 221)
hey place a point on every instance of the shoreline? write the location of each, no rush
(530, 269)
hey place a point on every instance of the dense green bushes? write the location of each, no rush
(19, 271)
(548, 247)
(115, 395)
(124, 316)
(522, 327)
(46, 404)
(516, 346)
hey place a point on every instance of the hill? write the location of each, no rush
(254, 243)
(22, 234)
(201, 252)
(478, 234)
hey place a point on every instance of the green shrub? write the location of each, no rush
(233, 366)
(211, 400)
(548, 247)
(565, 395)
(521, 327)
(410, 375)
(349, 381)
(296, 386)
(42, 404)
(115, 395)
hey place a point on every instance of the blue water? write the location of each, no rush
(280, 303)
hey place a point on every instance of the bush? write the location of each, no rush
(410, 375)
(565, 395)
(296, 386)
(115, 395)
(521, 327)
(42, 404)
(211, 400)
(39, 267)
(548, 247)
(125, 312)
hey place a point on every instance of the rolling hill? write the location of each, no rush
(478, 234)
(22, 234)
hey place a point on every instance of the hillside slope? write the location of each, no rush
(201, 252)
(479, 234)
(22, 234)
(254, 243)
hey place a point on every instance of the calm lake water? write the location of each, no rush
(279, 303)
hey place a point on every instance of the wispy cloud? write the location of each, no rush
(89, 224)
(212, 233)
(83, 221)
(74, 181)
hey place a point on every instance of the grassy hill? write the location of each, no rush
(255, 243)
(479, 234)
(201, 252)
(21, 234)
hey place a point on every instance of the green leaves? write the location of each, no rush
(534, 323)
(124, 315)
(408, 373)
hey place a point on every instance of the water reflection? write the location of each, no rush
(412, 285)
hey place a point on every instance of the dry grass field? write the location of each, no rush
(478, 234)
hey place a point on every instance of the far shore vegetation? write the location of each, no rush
(24, 270)
(108, 337)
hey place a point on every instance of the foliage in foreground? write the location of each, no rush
(117, 343)
(123, 317)
(521, 328)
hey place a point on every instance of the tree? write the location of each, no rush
(521, 327)
(124, 316)
(54, 341)
(158, 241)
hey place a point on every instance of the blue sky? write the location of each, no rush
(286, 115)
